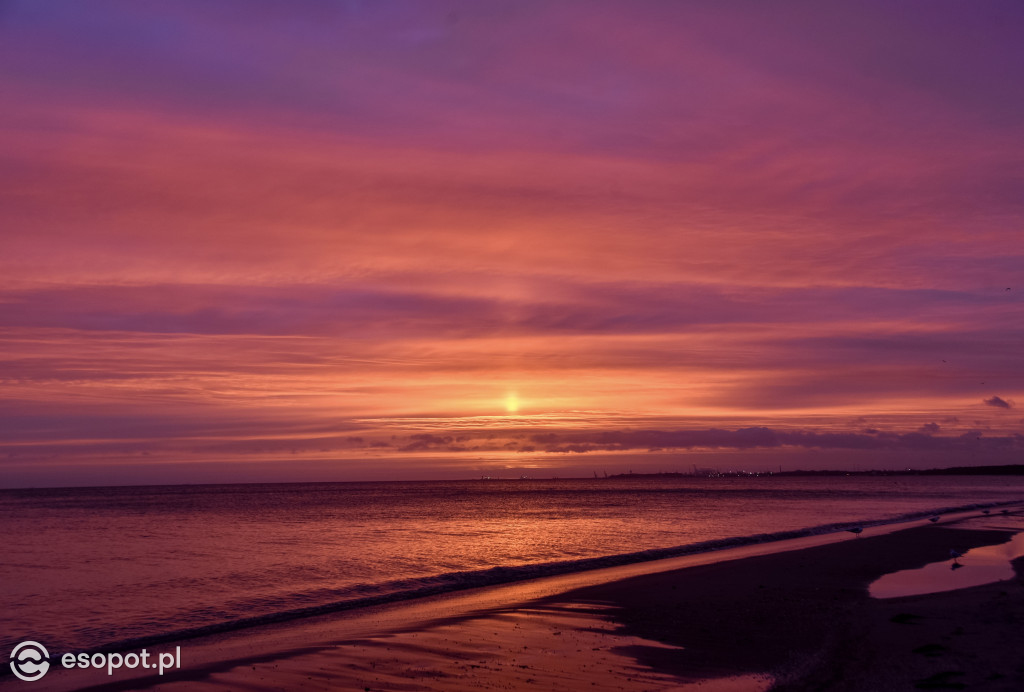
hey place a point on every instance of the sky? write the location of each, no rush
(323, 240)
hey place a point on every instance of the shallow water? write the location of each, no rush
(87, 567)
(975, 567)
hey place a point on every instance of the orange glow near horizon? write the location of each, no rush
(512, 402)
(660, 230)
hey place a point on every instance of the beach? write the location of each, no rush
(794, 615)
(449, 346)
(805, 618)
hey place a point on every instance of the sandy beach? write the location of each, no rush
(805, 618)
(745, 619)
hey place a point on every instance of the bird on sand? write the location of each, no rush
(934, 519)
(986, 512)
(956, 559)
(856, 530)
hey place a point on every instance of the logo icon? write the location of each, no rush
(28, 661)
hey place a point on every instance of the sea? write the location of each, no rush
(100, 569)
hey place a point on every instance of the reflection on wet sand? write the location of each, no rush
(964, 569)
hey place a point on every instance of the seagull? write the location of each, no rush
(856, 530)
(956, 559)
(934, 519)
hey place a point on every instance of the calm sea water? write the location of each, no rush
(85, 568)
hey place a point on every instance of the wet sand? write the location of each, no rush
(806, 619)
(795, 620)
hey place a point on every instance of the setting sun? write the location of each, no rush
(512, 402)
(272, 276)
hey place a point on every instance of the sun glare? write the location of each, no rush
(512, 402)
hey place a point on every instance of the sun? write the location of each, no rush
(512, 402)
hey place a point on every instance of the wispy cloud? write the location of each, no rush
(226, 226)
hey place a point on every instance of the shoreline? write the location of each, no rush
(616, 610)
(453, 583)
(805, 618)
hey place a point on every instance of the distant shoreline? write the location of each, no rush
(1002, 470)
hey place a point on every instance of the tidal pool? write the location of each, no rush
(975, 567)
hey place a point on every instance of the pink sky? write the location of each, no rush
(325, 240)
